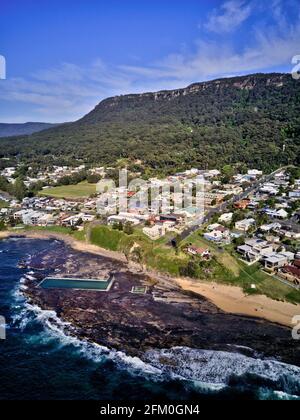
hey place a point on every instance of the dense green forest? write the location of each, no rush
(250, 119)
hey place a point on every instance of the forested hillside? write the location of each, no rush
(250, 119)
(7, 129)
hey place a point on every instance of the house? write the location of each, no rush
(71, 220)
(212, 173)
(245, 225)
(290, 273)
(230, 189)
(271, 226)
(176, 218)
(213, 197)
(202, 252)
(213, 226)
(225, 218)
(253, 205)
(242, 204)
(254, 249)
(213, 236)
(269, 188)
(290, 234)
(90, 205)
(155, 232)
(254, 173)
(294, 194)
(122, 218)
(34, 218)
(278, 260)
(282, 214)
(219, 234)
(87, 217)
(46, 219)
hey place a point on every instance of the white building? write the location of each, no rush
(254, 173)
(155, 232)
(254, 249)
(278, 260)
(123, 218)
(245, 225)
(225, 218)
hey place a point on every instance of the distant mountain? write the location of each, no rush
(7, 130)
(252, 120)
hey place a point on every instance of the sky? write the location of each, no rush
(64, 56)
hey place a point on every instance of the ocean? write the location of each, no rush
(40, 359)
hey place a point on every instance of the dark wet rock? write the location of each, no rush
(164, 317)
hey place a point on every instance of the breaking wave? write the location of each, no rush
(205, 370)
(220, 368)
(64, 334)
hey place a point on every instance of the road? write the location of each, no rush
(223, 206)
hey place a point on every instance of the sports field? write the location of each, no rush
(82, 190)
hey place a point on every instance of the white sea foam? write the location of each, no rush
(219, 367)
(205, 369)
(29, 277)
(64, 334)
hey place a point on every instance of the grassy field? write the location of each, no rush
(82, 190)
(3, 204)
(156, 255)
(55, 229)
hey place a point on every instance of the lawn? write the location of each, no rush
(154, 254)
(106, 237)
(3, 204)
(82, 190)
(55, 229)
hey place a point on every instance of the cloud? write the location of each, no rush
(65, 92)
(229, 16)
(69, 91)
(271, 48)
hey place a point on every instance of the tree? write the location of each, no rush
(213, 202)
(228, 171)
(93, 178)
(19, 189)
(176, 242)
(190, 270)
(239, 241)
(128, 229)
(2, 225)
(118, 226)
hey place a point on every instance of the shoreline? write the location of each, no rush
(230, 299)
(69, 240)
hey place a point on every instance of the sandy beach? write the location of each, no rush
(73, 243)
(233, 300)
(228, 298)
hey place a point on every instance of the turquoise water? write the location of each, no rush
(41, 357)
(80, 284)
